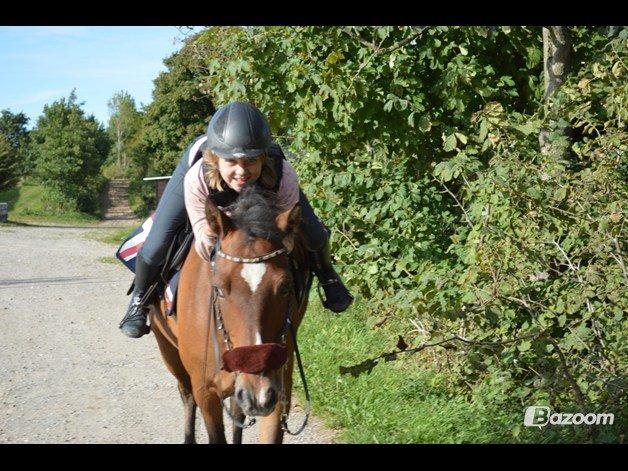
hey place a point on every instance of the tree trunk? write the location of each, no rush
(557, 57)
(557, 63)
(119, 142)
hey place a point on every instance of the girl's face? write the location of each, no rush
(237, 172)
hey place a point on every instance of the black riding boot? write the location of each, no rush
(337, 297)
(134, 322)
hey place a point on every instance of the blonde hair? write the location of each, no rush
(213, 179)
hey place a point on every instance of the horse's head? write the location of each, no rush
(253, 289)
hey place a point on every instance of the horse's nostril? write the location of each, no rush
(240, 395)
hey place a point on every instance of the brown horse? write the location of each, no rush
(228, 338)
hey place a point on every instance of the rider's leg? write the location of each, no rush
(134, 322)
(169, 217)
(337, 296)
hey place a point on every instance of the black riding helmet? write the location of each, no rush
(238, 130)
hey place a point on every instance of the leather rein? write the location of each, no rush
(216, 318)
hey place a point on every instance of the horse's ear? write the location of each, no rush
(219, 223)
(288, 222)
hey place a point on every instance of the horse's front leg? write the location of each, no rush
(211, 408)
(239, 415)
(189, 406)
(270, 430)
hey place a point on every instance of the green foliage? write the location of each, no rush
(69, 149)
(13, 128)
(420, 150)
(413, 400)
(8, 164)
(124, 128)
(178, 113)
(366, 127)
(539, 253)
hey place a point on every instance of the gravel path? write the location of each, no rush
(68, 375)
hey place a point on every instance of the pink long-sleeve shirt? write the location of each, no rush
(196, 192)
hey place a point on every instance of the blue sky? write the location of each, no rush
(39, 65)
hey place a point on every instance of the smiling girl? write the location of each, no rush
(237, 150)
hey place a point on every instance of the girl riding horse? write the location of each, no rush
(237, 150)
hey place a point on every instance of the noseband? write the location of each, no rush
(256, 359)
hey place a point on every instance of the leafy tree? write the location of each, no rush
(13, 128)
(178, 113)
(124, 126)
(8, 164)
(539, 255)
(69, 149)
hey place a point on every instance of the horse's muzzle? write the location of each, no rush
(255, 359)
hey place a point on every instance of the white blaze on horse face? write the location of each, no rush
(258, 338)
(253, 274)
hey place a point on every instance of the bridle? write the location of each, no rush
(216, 317)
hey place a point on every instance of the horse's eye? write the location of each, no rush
(285, 289)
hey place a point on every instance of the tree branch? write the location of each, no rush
(618, 258)
(368, 364)
(575, 270)
(574, 385)
(466, 216)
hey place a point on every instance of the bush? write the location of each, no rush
(420, 149)
(537, 278)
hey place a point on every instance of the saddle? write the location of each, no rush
(165, 286)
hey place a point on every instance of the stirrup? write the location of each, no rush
(129, 317)
(320, 291)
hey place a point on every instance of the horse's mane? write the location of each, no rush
(254, 213)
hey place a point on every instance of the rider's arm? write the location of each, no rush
(195, 194)
(288, 193)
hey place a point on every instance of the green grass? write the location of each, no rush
(113, 236)
(28, 204)
(402, 401)
(112, 260)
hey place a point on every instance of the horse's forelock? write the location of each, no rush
(255, 212)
